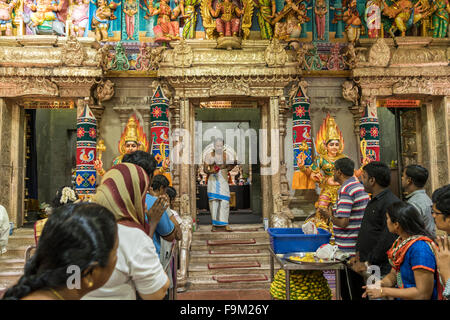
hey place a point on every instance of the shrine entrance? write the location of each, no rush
(238, 124)
(48, 166)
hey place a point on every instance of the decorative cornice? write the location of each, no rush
(195, 59)
(46, 56)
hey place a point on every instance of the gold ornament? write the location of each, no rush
(133, 132)
(328, 131)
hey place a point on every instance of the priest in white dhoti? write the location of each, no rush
(217, 166)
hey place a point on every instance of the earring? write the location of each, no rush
(90, 283)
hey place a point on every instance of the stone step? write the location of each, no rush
(202, 245)
(241, 278)
(231, 251)
(200, 235)
(198, 270)
(23, 231)
(208, 283)
(239, 264)
(15, 251)
(234, 227)
(220, 242)
(21, 239)
(205, 257)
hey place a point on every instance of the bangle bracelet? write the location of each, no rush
(381, 292)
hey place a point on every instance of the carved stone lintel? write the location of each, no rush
(73, 53)
(181, 55)
(275, 54)
(33, 86)
(230, 88)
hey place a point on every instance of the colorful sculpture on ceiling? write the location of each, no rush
(189, 13)
(167, 27)
(227, 18)
(7, 14)
(102, 18)
(267, 10)
(372, 14)
(46, 16)
(79, 17)
(353, 22)
(288, 22)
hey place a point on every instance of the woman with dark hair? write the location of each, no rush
(412, 257)
(138, 270)
(76, 254)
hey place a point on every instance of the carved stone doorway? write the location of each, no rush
(237, 122)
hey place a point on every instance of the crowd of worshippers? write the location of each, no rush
(117, 239)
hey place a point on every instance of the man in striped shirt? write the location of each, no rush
(347, 216)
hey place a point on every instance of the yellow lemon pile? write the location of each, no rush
(305, 285)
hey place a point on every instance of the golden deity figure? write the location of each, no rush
(133, 139)
(330, 146)
(231, 16)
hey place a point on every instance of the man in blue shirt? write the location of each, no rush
(165, 228)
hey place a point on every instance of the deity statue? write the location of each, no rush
(330, 146)
(189, 13)
(440, 18)
(228, 24)
(102, 18)
(405, 14)
(6, 17)
(133, 139)
(167, 27)
(320, 11)
(267, 11)
(353, 22)
(293, 15)
(130, 8)
(79, 11)
(47, 15)
(373, 17)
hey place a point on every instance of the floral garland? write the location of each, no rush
(67, 194)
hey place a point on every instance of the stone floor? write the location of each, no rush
(235, 294)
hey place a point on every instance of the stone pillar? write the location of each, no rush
(266, 182)
(284, 183)
(174, 109)
(12, 160)
(186, 154)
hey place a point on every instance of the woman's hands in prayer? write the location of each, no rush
(443, 258)
(156, 211)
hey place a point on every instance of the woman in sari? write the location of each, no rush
(122, 191)
(412, 256)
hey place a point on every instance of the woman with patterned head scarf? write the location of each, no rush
(138, 269)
